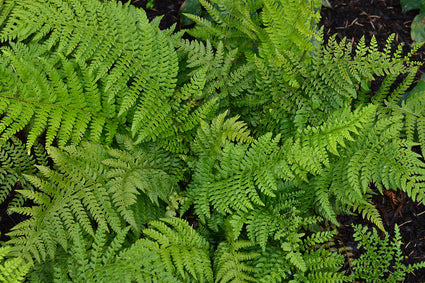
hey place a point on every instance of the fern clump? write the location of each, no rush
(222, 159)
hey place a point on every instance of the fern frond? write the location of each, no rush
(339, 127)
(130, 173)
(230, 263)
(14, 164)
(104, 257)
(92, 186)
(381, 260)
(183, 250)
(126, 84)
(12, 269)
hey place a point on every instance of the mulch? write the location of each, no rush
(351, 20)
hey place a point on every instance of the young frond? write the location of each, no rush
(12, 270)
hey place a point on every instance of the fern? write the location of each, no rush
(102, 258)
(15, 163)
(83, 92)
(412, 110)
(374, 264)
(182, 250)
(12, 269)
(229, 262)
(259, 134)
(90, 187)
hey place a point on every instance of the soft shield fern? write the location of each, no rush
(223, 160)
(77, 81)
(93, 186)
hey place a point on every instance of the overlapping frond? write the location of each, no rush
(104, 257)
(12, 269)
(230, 262)
(183, 251)
(76, 80)
(92, 185)
(14, 164)
(129, 117)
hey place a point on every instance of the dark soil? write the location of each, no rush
(169, 9)
(352, 20)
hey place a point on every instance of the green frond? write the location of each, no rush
(131, 173)
(102, 258)
(296, 32)
(92, 186)
(183, 251)
(210, 139)
(339, 127)
(269, 223)
(14, 163)
(230, 262)
(89, 82)
(301, 261)
(412, 108)
(256, 134)
(242, 174)
(12, 270)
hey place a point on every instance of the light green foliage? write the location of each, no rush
(79, 80)
(13, 269)
(222, 159)
(182, 250)
(381, 259)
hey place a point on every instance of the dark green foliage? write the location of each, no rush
(222, 160)
(15, 163)
(92, 186)
(103, 258)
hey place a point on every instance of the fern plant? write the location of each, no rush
(82, 82)
(256, 133)
(93, 186)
